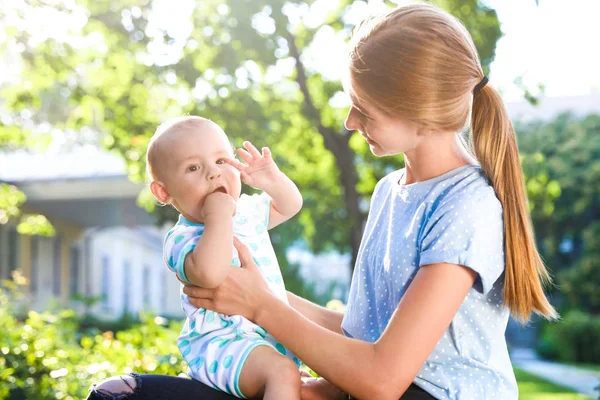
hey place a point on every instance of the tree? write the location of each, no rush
(122, 67)
(560, 158)
(11, 198)
(566, 149)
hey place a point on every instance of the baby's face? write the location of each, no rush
(195, 168)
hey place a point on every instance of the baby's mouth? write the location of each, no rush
(220, 189)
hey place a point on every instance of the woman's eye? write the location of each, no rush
(361, 114)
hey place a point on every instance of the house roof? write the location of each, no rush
(84, 185)
(86, 161)
(550, 107)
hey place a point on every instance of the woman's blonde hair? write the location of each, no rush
(419, 63)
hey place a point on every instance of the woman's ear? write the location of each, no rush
(423, 131)
(159, 191)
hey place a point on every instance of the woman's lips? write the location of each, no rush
(369, 141)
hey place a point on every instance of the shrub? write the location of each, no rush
(574, 339)
(43, 356)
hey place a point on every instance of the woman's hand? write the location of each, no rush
(320, 389)
(243, 292)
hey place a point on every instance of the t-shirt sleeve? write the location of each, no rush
(468, 231)
(178, 243)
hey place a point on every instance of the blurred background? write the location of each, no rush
(84, 83)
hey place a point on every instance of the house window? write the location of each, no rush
(35, 264)
(146, 286)
(105, 281)
(13, 251)
(126, 285)
(74, 270)
(56, 266)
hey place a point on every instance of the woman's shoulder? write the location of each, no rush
(390, 179)
(470, 189)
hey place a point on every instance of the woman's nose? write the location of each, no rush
(350, 122)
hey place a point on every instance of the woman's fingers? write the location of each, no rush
(238, 294)
(198, 292)
(246, 259)
(202, 303)
(200, 297)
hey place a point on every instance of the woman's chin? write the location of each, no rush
(376, 150)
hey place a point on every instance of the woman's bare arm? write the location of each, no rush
(328, 319)
(382, 370)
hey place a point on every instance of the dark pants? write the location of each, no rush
(164, 387)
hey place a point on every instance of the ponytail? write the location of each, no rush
(495, 147)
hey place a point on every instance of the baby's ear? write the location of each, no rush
(159, 191)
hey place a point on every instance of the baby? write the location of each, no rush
(192, 167)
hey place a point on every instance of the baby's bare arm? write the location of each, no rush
(208, 264)
(286, 200)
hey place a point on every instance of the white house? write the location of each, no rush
(105, 245)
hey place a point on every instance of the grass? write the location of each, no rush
(533, 388)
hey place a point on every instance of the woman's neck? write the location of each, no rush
(436, 155)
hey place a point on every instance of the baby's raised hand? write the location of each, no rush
(260, 170)
(219, 204)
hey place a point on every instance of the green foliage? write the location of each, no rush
(35, 224)
(581, 283)
(561, 157)
(46, 356)
(11, 200)
(541, 191)
(574, 339)
(560, 160)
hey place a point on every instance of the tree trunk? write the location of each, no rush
(338, 144)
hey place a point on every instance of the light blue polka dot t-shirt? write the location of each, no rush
(454, 218)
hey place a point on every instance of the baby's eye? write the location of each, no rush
(220, 161)
(193, 168)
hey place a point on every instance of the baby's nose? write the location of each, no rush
(214, 174)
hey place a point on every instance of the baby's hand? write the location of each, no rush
(320, 389)
(220, 204)
(260, 170)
